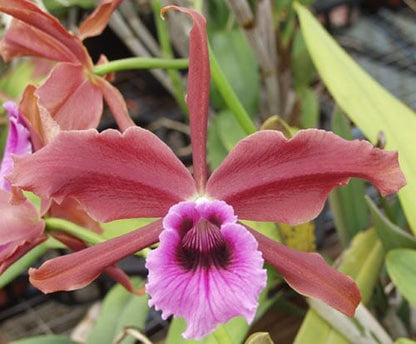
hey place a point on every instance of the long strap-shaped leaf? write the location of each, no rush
(368, 104)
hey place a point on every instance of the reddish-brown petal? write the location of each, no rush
(310, 275)
(70, 97)
(116, 103)
(76, 270)
(11, 252)
(197, 96)
(20, 227)
(112, 175)
(71, 210)
(18, 222)
(97, 20)
(41, 125)
(269, 178)
(37, 33)
(113, 271)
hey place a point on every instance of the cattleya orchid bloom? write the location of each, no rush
(20, 224)
(208, 266)
(72, 94)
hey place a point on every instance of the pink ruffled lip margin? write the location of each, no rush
(205, 296)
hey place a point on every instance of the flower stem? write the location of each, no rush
(92, 238)
(140, 63)
(229, 96)
(221, 335)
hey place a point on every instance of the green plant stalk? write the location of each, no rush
(164, 41)
(55, 224)
(198, 5)
(229, 96)
(22, 264)
(140, 63)
(86, 235)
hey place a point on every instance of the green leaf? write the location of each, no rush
(218, 16)
(401, 266)
(223, 134)
(347, 203)
(300, 237)
(303, 69)
(239, 64)
(58, 5)
(230, 133)
(16, 79)
(309, 111)
(362, 261)
(268, 229)
(229, 96)
(47, 339)
(390, 235)
(237, 329)
(404, 341)
(119, 227)
(368, 104)
(120, 309)
(22, 264)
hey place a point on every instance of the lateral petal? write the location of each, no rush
(18, 222)
(116, 103)
(11, 252)
(310, 275)
(113, 271)
(76, 270)
(267, 177)
(37, 33)
(76, 103)
(112, 175)
(71, 210)
(96, 22)
(41, 125)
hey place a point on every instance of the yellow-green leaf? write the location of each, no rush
(368, 104)
(120, 309)
(390, 235)
(404, 341)
(362, 261)
(401, 266)
(300, 237)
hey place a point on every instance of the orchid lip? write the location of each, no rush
(207, 267)
(203, 246)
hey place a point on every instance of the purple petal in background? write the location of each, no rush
(18, 143)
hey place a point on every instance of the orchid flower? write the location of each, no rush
(208, 266)
(21, 225)
(72, 94)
